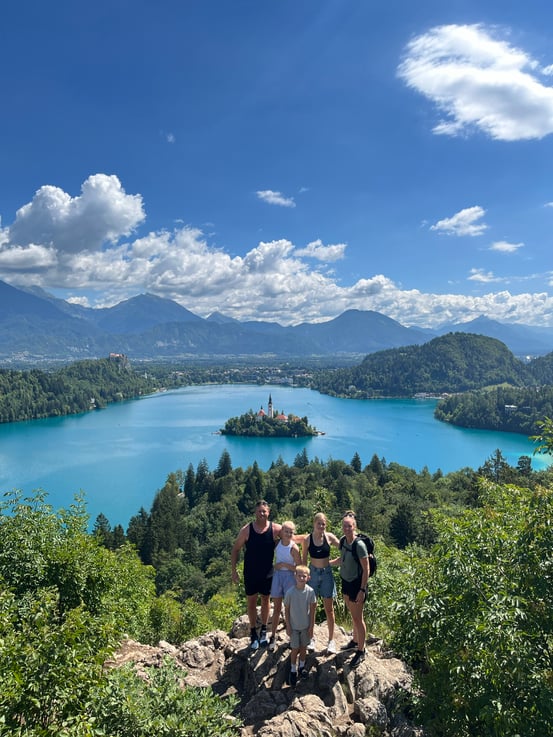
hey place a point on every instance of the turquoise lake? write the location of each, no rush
(119, 457)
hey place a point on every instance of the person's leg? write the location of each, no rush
(277, 608)
(359, 626)
(329, 612)
(252, 610)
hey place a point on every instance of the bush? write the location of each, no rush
(476, 619)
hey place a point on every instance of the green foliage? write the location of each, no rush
(252, 425)
(82, 386)
(504, 408)
(65, 602)
(128, 706)
(476, 618)
(456, 362)
(544, 438)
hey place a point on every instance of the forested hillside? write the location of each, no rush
(504, 408)
(455, 362)
(189, 530)
(79, 387)
(449, 595)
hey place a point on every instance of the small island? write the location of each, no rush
(269, 424)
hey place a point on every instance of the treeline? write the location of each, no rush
(188, 533)
(456, 362)
(79, 387)
(504, 408)
(251, 425)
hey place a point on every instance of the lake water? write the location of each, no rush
(122, 455)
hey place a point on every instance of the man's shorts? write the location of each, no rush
(258, 585)
(351, 588)
(282, 581)
(299, 638)
(322, 581)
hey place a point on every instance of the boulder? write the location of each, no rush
(333, 700)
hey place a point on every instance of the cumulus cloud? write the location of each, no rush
(463, 223)
(318, 251)
(505, 246)
(479, 81)
(275, 198)
(101, 214)
(274, 280)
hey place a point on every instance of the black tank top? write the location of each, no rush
(319, 551)
(260, 548)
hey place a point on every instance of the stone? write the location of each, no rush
(334, 700)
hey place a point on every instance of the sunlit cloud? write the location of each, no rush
(506, 247)
(318, 251)
(465, 222)
(274, 280)
(275, 198)
(480, 82)
(483, 276)
(102, 213)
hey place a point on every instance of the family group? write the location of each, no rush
(275, 568)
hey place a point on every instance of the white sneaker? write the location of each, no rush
(311, 645)
(331, 647)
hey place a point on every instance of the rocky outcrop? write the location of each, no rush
(334, 700)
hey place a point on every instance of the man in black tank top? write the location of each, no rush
(258, 539)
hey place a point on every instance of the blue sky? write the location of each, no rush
(282, 160)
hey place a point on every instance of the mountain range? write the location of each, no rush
(34, 326)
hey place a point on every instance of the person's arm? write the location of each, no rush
(235, 552)
(364, 563)
(304, 549)
(312, 613)
(276, 531)
(333, 540)
(287, 618)
(295, 553)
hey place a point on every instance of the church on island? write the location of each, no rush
(270, 423)
(261, 415)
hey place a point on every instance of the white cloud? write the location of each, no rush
(318, 251)
(463, 223)
(482, 276)
(272, 281)
(479, 82)
(506, 247)
(101, 214)
(275, 198)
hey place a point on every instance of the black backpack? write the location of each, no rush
(369, 544)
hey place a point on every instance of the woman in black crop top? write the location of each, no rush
(316, 547)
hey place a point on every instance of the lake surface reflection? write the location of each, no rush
(122, 455)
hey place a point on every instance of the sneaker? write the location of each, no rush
(357, 658)
(272, 643)
(302, 672)
(331, 647)
(351, 644)
(254, 644)
(263, 641)
(293, 679)
(311, 645)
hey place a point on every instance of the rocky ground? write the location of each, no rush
(334, 700)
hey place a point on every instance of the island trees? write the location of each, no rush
(258, 426)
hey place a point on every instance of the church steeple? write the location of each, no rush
(270, 407)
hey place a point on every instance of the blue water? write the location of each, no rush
(122, 455)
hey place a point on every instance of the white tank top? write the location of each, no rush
(283, 554)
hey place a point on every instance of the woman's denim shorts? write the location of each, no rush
(322, 581)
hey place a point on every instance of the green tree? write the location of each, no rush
(477, 618)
